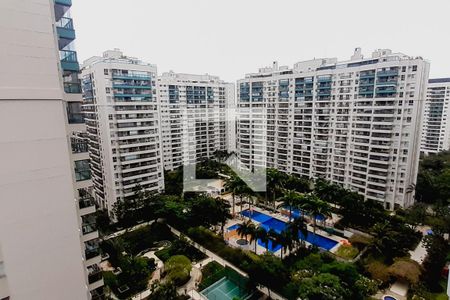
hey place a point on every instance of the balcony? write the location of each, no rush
(79, 144)
(72, 88)
(387, 73)
(131, 76)
(69, 60)
(82, 170)
(95, 278)
(64, 2)
(65, 31)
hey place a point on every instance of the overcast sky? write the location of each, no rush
(229, 38)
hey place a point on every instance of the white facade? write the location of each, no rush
(196, 117)
(122, 117)
(356, 123)
(436, 125)
(42, 246)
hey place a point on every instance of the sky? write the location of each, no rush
(230, 38)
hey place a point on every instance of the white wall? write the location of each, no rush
(39, 232)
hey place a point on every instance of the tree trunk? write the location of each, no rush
(234, 210)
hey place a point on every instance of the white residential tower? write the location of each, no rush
(356, 123)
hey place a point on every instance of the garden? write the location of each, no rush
(372, 260)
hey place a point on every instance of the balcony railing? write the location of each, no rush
(86, 201)
(88, 227)
(72, 88)
(79, 145)
(69, 60)
(64, 2)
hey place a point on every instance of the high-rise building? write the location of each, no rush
(356, 123)
(436, 124)
(122, 116)
(196, 117)
(48, 238)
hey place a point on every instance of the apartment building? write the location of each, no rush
(436, 125)
(47, 235)
(356, 123)
(196, 117)
(122, 116)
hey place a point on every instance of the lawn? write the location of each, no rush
(347, 252)
(180, 247)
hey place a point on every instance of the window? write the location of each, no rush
(82, 170)
(108, 90)
(414, 68)
(105, 71)
(74, 113)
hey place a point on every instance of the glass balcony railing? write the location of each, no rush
(72, 88)
(64, 2)
(88, 227)
(69, 60)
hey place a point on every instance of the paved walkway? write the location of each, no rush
(224, 263)
(420, 252)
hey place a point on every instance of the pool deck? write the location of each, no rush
(260, 249)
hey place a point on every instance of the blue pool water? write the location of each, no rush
(298, 213)
(271, 223)
(274, 224)
(256, 215)
(233, 227)
(271, 246)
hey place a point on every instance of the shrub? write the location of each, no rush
(378, 271)
(406, 269)
(180, 246)
(178, 269)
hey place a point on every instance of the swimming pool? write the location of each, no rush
(278, 225)
(233, 227)
(255, 215)
(274, 224)
(296, 213)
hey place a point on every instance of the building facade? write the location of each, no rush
(122, 116)
(48, 238)
(436, 125)
(196, 117)
(356, 123)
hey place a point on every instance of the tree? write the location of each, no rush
(327, 191)
(284, 239)
(246, 229)
(173, 182)
(262, 235)
(275, 181)
(406, 269)
(234, 184)
(298, 184)
(289, 199)
(323, 286)
(416, 214)
(178, 269)
(437, 249)
(316, 207)
(163, 291)
(298, 231)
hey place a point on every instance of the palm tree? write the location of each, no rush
(234, 185)
(316, 207)
(262, 235)
(245, 229)
(298, 231)
(253, 234)
(289, 199)
(284, 239)
(274, 181)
